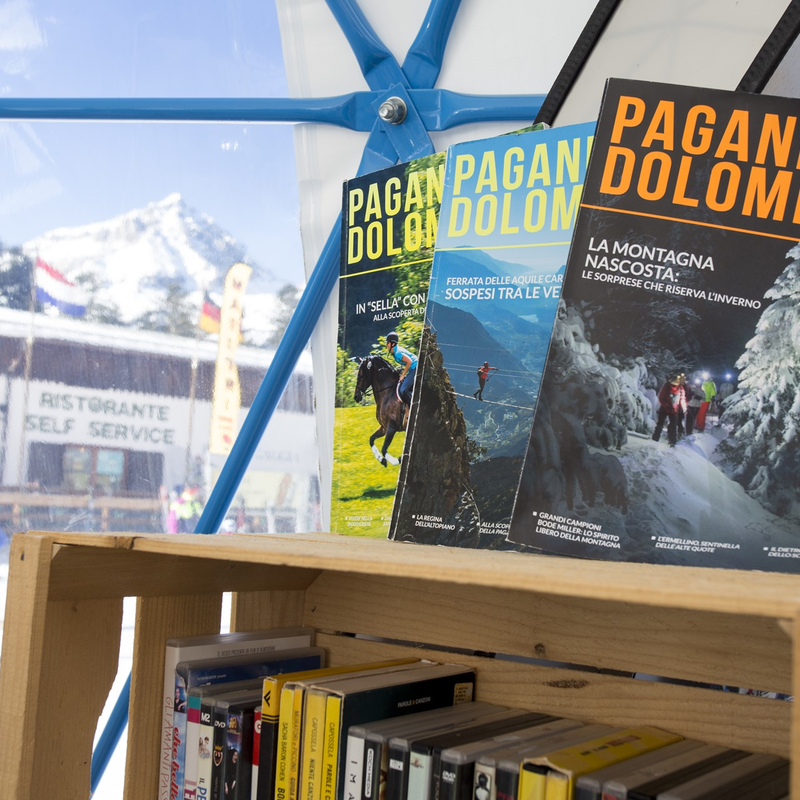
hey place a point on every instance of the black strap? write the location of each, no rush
(589, 37)
(773, 51)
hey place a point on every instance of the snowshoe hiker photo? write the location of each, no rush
(669, 399)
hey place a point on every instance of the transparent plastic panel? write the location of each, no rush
(115, 240)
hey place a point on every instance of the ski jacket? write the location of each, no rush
(670, 398)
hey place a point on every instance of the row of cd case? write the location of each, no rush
(235, 709)
(482, 751)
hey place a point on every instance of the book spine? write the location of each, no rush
(178, 750)
(240, 739)
(218, 767)
(330, 756)
(374, 753)
(455, 780)
(192, 748)
(506, 784)
(436, 775)
(354, 759)
(233, 745)
(268, 740)
(465, 785)
(206, 759)
(256, 754)
(419, 775)
(311, 760)
(587, 792)
(488, 771)
(282, 757)
(559, 787)
(397, 774)
(533, 782)
(295, 743)
(171, 658)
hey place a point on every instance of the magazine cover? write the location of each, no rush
(389, 221)
(507, 217)
(667, 427)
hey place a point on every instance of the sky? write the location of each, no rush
(56, 174)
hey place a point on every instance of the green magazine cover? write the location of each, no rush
(389, 222)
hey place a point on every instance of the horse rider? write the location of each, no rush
(408, 361)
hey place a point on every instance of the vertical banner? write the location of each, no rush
(227, 395)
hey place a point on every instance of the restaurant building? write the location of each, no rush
(102, 422)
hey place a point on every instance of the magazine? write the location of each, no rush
(389, 222)
(507, 216)
(667, 427)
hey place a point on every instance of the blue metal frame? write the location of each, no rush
(429, 109)
(439, 109)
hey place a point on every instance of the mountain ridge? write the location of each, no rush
(133, 258)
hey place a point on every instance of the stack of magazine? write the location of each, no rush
(601, 325)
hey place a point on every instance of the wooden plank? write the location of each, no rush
(79, 664)
(727, 591)
(83, 572)
(252, 611)
(733, 720)
(158, 619)
(21, 667)
(708, 647)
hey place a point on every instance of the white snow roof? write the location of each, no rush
(17, 325)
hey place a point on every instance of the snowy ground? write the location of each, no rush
(111, 785)
(685, 494)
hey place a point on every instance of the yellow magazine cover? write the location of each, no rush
(389, 226)
(572, 762)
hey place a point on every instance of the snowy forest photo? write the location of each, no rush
(666, 430)
(725, 496)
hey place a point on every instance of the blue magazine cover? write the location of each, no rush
(508, 210)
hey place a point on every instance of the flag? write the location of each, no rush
(54, 289)
(210, 315)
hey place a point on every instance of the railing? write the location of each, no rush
(63, 512)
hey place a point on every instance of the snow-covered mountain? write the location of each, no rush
(136, 255)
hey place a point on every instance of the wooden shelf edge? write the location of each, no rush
(692, 588)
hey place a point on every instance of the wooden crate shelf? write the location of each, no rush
(608, 621)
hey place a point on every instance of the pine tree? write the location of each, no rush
(16, 273)
(763, 451)
(96, 310)
(175, 316)
(346, 373)
(288, 298)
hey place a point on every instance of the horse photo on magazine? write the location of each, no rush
(389, 223)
